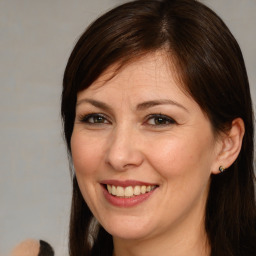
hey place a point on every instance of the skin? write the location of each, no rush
(28, 247)
(129, 143)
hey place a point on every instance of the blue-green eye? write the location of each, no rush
(94, 119)
(159, 120)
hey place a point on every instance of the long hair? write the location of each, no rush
(210, 65)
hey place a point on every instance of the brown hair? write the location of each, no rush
(211, 66)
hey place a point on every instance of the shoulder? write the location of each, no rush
(33, 247)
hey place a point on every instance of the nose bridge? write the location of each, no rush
(123, 149)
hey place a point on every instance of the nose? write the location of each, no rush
(124, 151)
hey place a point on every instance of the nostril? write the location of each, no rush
(123, 153)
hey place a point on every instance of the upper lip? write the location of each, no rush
(126, 183)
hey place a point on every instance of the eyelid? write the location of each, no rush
(83, 118)
(168, 118)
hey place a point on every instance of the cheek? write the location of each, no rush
(85, 154)
(184, 165)
(181, 155)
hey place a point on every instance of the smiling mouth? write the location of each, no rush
(129, 191)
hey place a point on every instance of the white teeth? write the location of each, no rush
(136, 190)
(129, 191)
(113, 191)
(143, 189)
(119, 191)
(109, 189)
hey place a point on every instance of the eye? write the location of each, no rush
(94, 119)
(159, 120)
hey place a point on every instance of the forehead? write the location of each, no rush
(151, 70)
(148, 79)
(145, 80)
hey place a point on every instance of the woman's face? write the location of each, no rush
(140, 136)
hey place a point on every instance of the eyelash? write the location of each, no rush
(163, 120)
(86, 118)
(166, 119)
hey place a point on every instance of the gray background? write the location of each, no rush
(36, 40)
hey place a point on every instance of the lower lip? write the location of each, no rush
(126, 202)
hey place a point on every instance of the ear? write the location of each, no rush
(230, 144)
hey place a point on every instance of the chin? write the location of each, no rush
(128, 229)
(129, 234)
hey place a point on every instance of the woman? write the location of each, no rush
(159, 128)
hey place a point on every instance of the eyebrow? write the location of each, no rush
(139, 107)
(95, 103)
(152, 103)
